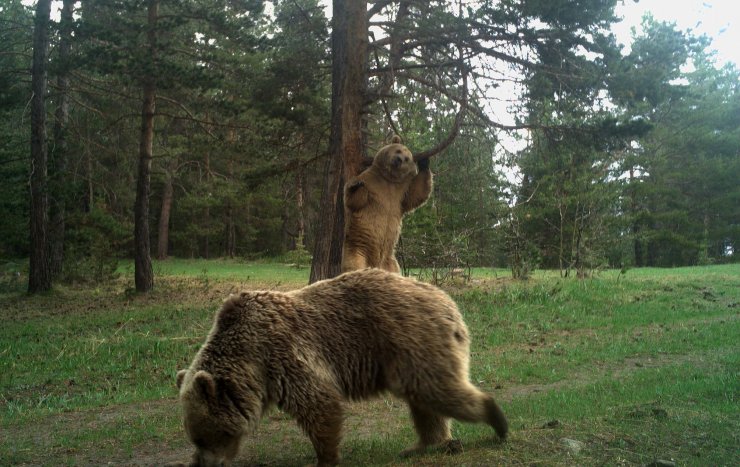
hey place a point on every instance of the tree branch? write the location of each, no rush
(444, 144)
(377, 7)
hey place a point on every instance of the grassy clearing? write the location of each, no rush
(631, 367)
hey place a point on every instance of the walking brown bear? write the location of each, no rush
(311, 350)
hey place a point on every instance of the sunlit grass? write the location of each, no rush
(226, 269)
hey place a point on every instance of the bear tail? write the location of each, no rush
(495, 417)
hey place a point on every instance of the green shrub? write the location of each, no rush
(94, 243)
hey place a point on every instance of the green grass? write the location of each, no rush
(637, 367)
(225, 269)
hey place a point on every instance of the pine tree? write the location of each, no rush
(39, 274)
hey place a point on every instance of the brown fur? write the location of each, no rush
(310, 350)
(374, 204)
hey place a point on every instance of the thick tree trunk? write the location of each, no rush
(39, 276)
(163, 237)
(143, 273)
(60, 152)
(327, 256)
(346, 145)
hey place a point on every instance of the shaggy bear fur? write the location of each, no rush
(375, 202)
(309, 351)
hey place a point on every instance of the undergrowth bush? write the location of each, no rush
(299, 257)
(13, 276)
(93, 245)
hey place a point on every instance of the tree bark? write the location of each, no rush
(39, 276)
(230, 224)
(636, 241)
(163, 237)
(230, 232)
(287, 232)
(89, 199)
(347, 142)
(301, 228)
(143, 273)
(60, 152)
(207, 213)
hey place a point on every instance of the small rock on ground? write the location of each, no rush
(572, 445)
(661, 463)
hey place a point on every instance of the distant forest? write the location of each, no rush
(226, 128)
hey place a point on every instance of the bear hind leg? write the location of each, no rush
(495, 417)
(433, 430)
(390, 264)
(353, 260)
(467, 403)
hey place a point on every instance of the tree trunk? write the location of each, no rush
(60, 152)
(89, 198)
(346, 143)
(143, 273)
(301, 229)
(163, 237)
(207, 214)
(704, 254)
(636, 241)
(230, 225)
(87, 195)
(39, 275)
(561, 240)
(287, 241)
(230, 232)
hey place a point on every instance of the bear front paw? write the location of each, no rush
(423, 164)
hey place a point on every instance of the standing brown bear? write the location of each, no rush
(311, 350)
(375, 202)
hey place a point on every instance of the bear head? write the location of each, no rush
(395, 162)
(213, 421)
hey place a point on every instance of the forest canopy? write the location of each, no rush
(204, 129)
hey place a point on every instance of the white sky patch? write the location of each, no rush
(717, 19)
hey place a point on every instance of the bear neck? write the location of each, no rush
(383, 174)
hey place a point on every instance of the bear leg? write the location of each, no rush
(322, 422)
(466, 403)
(495, 417)
(352, 260)
(433, 430)
(391, 265)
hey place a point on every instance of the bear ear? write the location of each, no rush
(180, 377)
(395, 139)
(204, 383)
